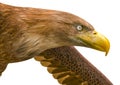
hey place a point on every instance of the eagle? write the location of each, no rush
(49, 36)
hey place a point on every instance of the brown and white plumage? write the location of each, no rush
(28, 32)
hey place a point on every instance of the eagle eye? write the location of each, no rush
(79, 27)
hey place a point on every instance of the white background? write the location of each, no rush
(104, 15)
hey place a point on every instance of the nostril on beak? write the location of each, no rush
(94, 32)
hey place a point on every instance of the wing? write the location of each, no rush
(69, 67)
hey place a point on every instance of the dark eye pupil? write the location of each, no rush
(79, 28)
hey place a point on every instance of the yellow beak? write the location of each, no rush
(95, 40)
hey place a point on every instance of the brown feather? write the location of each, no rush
(27, 32)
